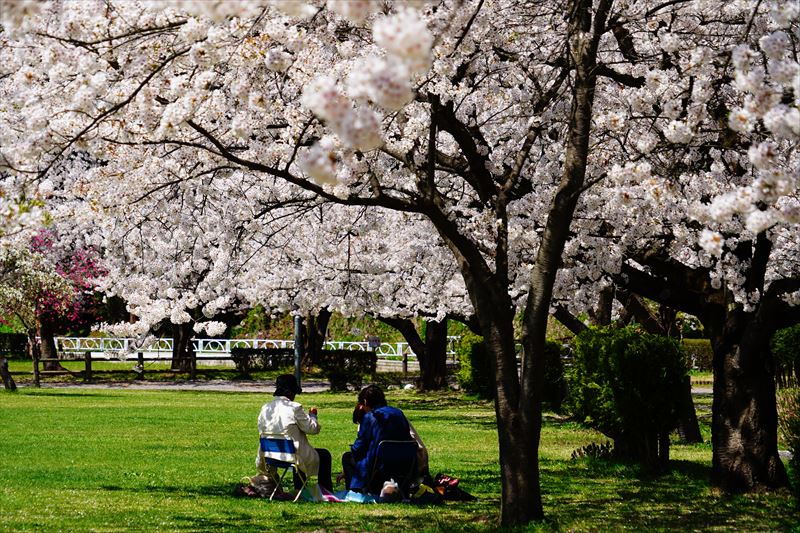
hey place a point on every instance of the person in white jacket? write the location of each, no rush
(283, 417)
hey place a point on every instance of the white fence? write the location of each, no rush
(127, 348)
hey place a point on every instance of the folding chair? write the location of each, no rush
(395, 459)
(280, 453)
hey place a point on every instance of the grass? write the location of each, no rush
(111, 460)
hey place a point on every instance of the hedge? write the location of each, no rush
(249, 359)
(345, 367)
(699, 354)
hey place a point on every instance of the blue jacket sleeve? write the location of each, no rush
(361, 446)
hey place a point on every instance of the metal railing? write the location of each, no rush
(127, 348)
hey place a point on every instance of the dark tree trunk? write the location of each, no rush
(745, 417)
(433, 367)
(522, 407)
(431, 353)
(602, 315)
(688, 427)
(519, 423)
(47, 346)
(744, 414)
(182, 347)
(316, 330)
(8, 380)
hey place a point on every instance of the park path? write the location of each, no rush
(209, 385)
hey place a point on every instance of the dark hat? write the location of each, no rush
(286, 385)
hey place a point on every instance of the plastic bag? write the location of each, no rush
(390, 492)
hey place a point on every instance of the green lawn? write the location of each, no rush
(111, 460)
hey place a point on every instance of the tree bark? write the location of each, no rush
(47, 346)
(745, 417)
(433, 367)
(316, 329)
(602, 315)
(431, 352)
(8, 380)
(584, 36)
(182, 348)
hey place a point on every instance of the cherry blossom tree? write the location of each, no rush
(700, 212)
(427, 109)
(31, 287)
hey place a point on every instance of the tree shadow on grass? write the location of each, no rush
(609, 494)
(60, 394)
(223, 490)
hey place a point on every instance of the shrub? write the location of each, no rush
(475, 374)
(13, 345)
(699, 353)
(785, 346)
(249, 359)
(594, 450)
(789, 425)
(555, 387)
(345, 367)
(627, 384)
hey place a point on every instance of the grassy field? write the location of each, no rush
(115, 460)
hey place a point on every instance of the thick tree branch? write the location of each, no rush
(568, 320)
(619, 77)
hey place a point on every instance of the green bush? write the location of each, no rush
(475, 374)
(626, 384)
(555, 387)
(345, 367)
(699, 354)
(789, 425)
(785, 346)
(249, 359)
(13, 345)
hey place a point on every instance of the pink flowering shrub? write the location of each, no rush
(79, 267)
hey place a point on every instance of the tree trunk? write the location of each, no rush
(585, 33)
(745, 418)
(316, 329)
(433, 367)
(8, 380)
(688, 427)
(602, 315)
(182, 348)
(431, 353)
(519, 424)
(47, 346)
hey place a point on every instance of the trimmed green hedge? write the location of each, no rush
(249, 359)
(699, 354)
(345, 367)
(13, 344)
(475, 374)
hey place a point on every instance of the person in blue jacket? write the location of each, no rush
(377, 421)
